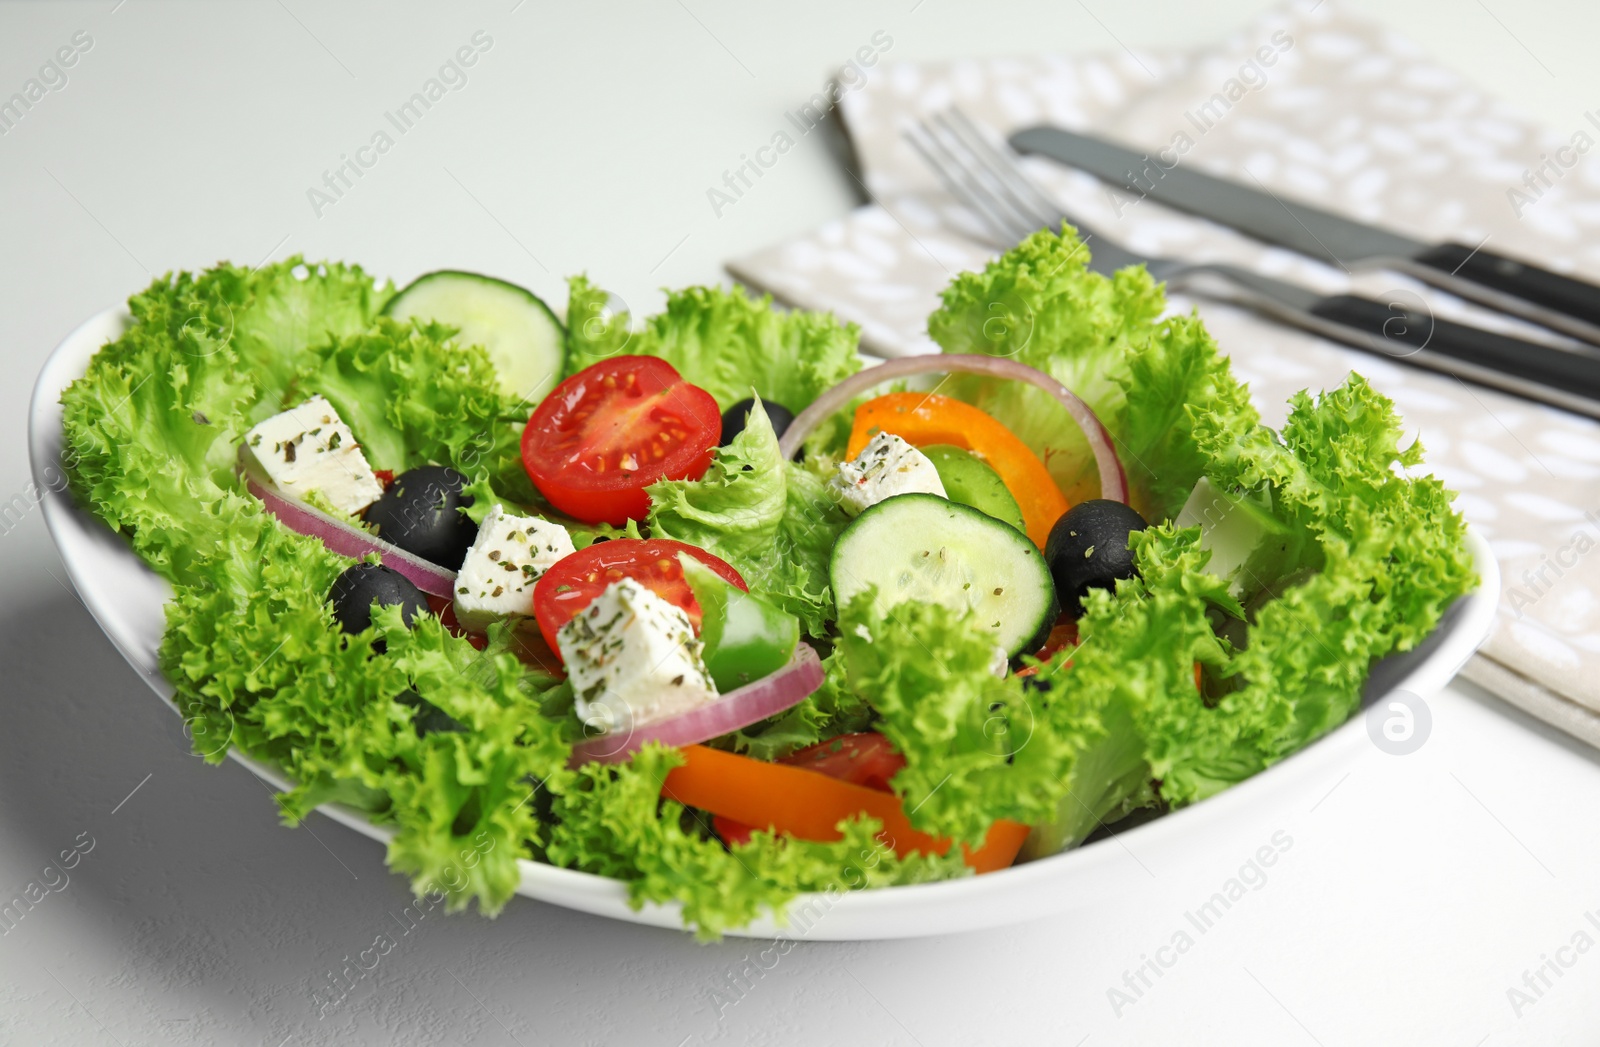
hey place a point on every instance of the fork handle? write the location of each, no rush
(1563, 294)
(1400, 333)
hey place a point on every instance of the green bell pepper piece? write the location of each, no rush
(745, 637)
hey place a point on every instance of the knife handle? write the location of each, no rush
(1399, 332)
(1561, 294)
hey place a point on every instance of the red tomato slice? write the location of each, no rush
(574, 581)
(733, 833)
(611, 430)
(867, 759)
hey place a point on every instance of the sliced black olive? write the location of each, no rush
(735, 417)
(359, 587)
(421, 513)
(1088, 549)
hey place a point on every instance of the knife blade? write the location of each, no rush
(1507, 284)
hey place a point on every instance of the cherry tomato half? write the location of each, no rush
(574, 581)
(602, 436)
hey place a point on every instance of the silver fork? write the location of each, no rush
(987, 178)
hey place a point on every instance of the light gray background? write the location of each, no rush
(1417, 891)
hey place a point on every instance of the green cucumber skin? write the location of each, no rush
(883, 546)
(399, 307)
(970, 480)
(463, 274)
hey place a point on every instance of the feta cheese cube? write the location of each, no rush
(1000, 662)
(633, 659)
(510, 553)
(309, 449)
(887, 466)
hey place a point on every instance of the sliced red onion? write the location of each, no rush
(1113, 482)
(348, 540)
(752, 703)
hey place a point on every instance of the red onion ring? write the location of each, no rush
(753, 702)
(1113, 482)
(349, 540)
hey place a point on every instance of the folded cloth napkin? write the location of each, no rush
(1317, 104)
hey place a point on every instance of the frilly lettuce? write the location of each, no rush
(1390, 558)
(735, 508)
(413, 396)
(725, 341)
(152, 428)
(976, 747)
(250, 646)
(1370, 559)
(774, 521)
(612, 821)
(1101, 337)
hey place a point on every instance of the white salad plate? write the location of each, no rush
(126, 599)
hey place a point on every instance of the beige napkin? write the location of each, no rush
(1320, 105)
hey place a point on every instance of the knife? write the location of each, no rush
(1003, 196)
(1555, 301)
(1404, 332)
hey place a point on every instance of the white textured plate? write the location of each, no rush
(126, 598)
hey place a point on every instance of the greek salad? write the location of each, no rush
(711, 606)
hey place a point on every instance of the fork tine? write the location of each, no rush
(956, 173)
(1004, 164)
(1023, 221)
(1025, 193)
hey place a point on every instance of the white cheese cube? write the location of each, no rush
(1000, 662)
(510, 553)
(309, 449)
(887, 466)
(633, 659)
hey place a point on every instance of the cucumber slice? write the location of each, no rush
(969, 480)
(524, 340)
(926, 548)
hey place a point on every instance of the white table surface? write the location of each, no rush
(1418, 889)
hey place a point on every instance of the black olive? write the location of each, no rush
(359, 587)
(428, 718)
(1038, 683)
(1088, 549)
(421, 513)
(734, 418)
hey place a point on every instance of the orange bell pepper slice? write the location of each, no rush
(922, 419)
(810, 806)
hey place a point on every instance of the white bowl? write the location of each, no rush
(126, 599)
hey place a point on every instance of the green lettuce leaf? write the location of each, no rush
(251, 647)
(413, 396)
(976, 747)
(611, 820)
(151, 430)
(1102, 338)
(295, 307)
(1383, 557)
(464, 752)
(734, 510)
(258, 662)
(725, 341)
(774, 521)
